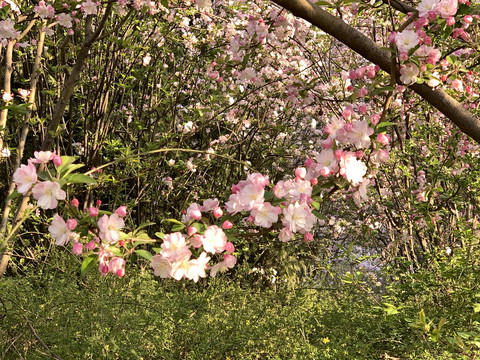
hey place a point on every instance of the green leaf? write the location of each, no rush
(80, 179)
(141, 226)
(385, 124)
(145, 254)
(88, 264)
(176, 228)
(67, 170)
(175, 221)
(14, 195)
(66, 161)
(476, 307)
(115, 250)
(160, 235)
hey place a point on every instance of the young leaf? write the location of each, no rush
(145, 254)
(88, 263)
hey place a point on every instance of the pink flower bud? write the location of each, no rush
(348, 127)
(218, 212)
(192, 230)
(103, 268)
(467, 19)
(71, 224)
(374, 120)
(314, 181)
(338, 154)
(75, 203)
(383, 139)
(250, 219)
(121, 243)
(77, 249)
(91, 245)
(120, 272)
(450, 21)
(227, 225)
(93, 211)
(308, 162)
(229, 247)
(327, 143)
(196, 214)
(99, 202)
(301, 172)
(57, 160)
(121, 211)
(308, 237)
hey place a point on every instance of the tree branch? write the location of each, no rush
(364, 46)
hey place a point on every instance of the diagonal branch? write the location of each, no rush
(364, 46)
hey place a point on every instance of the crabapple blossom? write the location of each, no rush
(161, 266)
(77, 249)
(406, 40)
(42, 157)
(359, 135)
(174, 246)
(121, 211)
(59, 230)
(117, 266)
(47, 194)
(196, 267)
(265, 214)
(447, 8)
(24, 177)
(327, 163)
(228, 262)
(409, 74)
(297, 217)
(352, 169)
(214, 240)
(109, 227)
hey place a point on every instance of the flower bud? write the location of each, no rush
(57, 160)
(227, 225)
(75, 203)
(93, 211)
(77, 249)
(218, 212)
(121, 211)
(308, 237)
(229, 247)
(71, 224)
(91, 245)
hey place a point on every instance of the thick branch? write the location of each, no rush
(364, 46)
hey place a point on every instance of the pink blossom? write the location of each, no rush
(383, 139)
(117, 266)
(209, 205)
(227, 225)
(174, 246)
(109, 227)
(91, 245)
(457, 85)
(25, 176)
(218, 212)
(161, 266)
(406, 40)
(71, 224)
(447, 8)
(409, 74)
(44, 11)
(228, 262)
(298, 218)
(327, 163)
(77, 249)
(352, 169)
(59, 230)
(265, 214)
(121, 211)
(308, 237)
(251, 195)
(360, 134)
(285, 235)
(75, 203)
(42, 157)
(362, 92)
(426, 6)
(180, 266)
(229, 247)
(196, 267)
(47, 194)
(214, 240)
(89, 7)
(93, 211)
